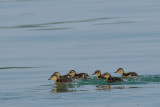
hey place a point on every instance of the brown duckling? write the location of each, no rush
(111, 79)
(60, 80)
(59, 76)
(77, 76)
(98, 74)
(126, 75)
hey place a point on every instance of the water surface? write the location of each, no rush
(40, 37)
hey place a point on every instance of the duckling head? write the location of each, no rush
(72, 72)
(97, 72)
(56, 74)
(53, 78)
(120, 70)
(107, 75)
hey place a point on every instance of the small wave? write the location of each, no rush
(102, 84)
(16, 67)
(143, 79)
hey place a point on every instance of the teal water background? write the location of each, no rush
(40, 37)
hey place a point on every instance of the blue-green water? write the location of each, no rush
(39, 37)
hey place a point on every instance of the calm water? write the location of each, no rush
(39, 37)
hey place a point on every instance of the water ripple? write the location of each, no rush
(56, 23)
(16, 67)
(118, 22)
(78, 85)
(143, 79)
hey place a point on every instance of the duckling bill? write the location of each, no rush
(98, 74)
(78, 76)
(126, 75)
(111, 79)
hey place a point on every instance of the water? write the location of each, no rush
(40, 37)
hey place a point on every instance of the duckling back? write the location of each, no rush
(131, 74)
(82, 75)
(64, 76)
(78, 76)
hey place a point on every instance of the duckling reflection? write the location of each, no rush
(62, 89)
(119, 87)
(103, 87)
(108, 87)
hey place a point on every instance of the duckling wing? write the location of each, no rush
(101, 77)
(67, 76)
(83, 75)
(130, 74)
(64, 80)
(60, 81)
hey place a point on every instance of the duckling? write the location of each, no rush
(60, 80)
(77, 76)
(68, 77)
(59, 76)
(98, 73)
(126, 75)
(111, 79)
